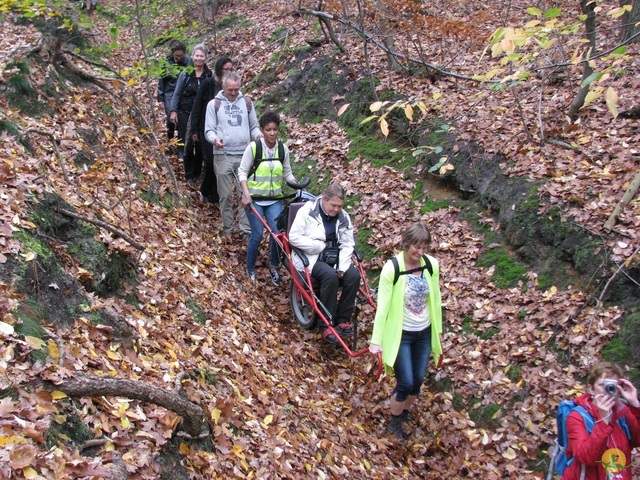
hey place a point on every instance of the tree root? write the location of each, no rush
(106, 226)
(83, 385)
(626, 198)
(56, 151)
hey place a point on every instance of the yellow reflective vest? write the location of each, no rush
(267, 177)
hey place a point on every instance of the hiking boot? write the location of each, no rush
(275, 276)
(329, 337)
(406, 421)
(406, 417)
(395, 428)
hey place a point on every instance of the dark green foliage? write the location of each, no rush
(431, 205)
(31, 315)
(625, 346)
(483, 415)
(514, 372)
(279, 35)
(303, 168)
(199, 315)
(151, 196)
(362, 243)
(470, 328)
(507, 271)
(18, 81)
(9, 392)
(9, 127)
(69, 429)
(20, 92)
(233, 20)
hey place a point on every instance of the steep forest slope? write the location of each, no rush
(110, 267)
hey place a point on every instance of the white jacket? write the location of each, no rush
(307, 233)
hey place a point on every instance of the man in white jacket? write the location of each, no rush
(324, 232)
(230, 124)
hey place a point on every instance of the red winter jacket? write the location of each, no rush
(588, 449)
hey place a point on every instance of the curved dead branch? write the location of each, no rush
(106, 226)
(84, 385)
(56, 151)
(325, 17)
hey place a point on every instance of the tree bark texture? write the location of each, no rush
(83, 385)
(630, 21)
(629, 195)
(588, 8)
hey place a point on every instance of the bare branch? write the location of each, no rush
(56, 151)
(106, 226)
(84, 385)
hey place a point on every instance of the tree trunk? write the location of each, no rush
(388, 35)
(630, 21)
(83, 385)
(210, 9)
(588, 8)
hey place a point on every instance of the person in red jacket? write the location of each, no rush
(605, 454)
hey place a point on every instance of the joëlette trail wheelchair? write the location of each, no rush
(307, 308)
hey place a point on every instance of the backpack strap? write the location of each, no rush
(247, 102)
(622, 421)
(427, 266)
(256, 147)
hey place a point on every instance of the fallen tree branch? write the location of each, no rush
(106, 226)
(613, 277)
(626, 198)
(73, 68)
(560, 143)
(84, 385)
(56, 151)
(324, 16)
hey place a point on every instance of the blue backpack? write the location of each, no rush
(559, 459)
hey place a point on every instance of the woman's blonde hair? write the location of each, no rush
(601, 369)
(416, 234)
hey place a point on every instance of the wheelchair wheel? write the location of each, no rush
(302, 311)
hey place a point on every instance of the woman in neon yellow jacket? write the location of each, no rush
(408, 321)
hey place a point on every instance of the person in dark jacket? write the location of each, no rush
(208, 90)
(184, 98)
(175, 62)
(605, 453)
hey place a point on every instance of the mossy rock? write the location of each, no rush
(232, 21)
(624, 349)
(68, 429)
(309, 93)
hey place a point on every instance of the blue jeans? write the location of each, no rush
(269, 212)
(411, 363)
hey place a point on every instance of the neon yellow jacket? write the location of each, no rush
(387, 327)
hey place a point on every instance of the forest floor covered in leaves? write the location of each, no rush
(279, 403)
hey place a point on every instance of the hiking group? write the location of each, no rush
(218, 126)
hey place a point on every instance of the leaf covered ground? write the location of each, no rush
(280, 403)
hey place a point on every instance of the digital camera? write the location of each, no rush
(610, 386)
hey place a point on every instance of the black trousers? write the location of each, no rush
(209, 187)
(193, 158)
(339, 310)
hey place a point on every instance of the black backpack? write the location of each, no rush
(396, 267)
(257, 156)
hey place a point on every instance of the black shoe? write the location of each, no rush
(395, 428)
(329, 337)
(344, 329)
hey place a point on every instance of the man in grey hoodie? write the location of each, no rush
(230, 124)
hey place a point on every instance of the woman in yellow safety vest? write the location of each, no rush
(262, 173)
